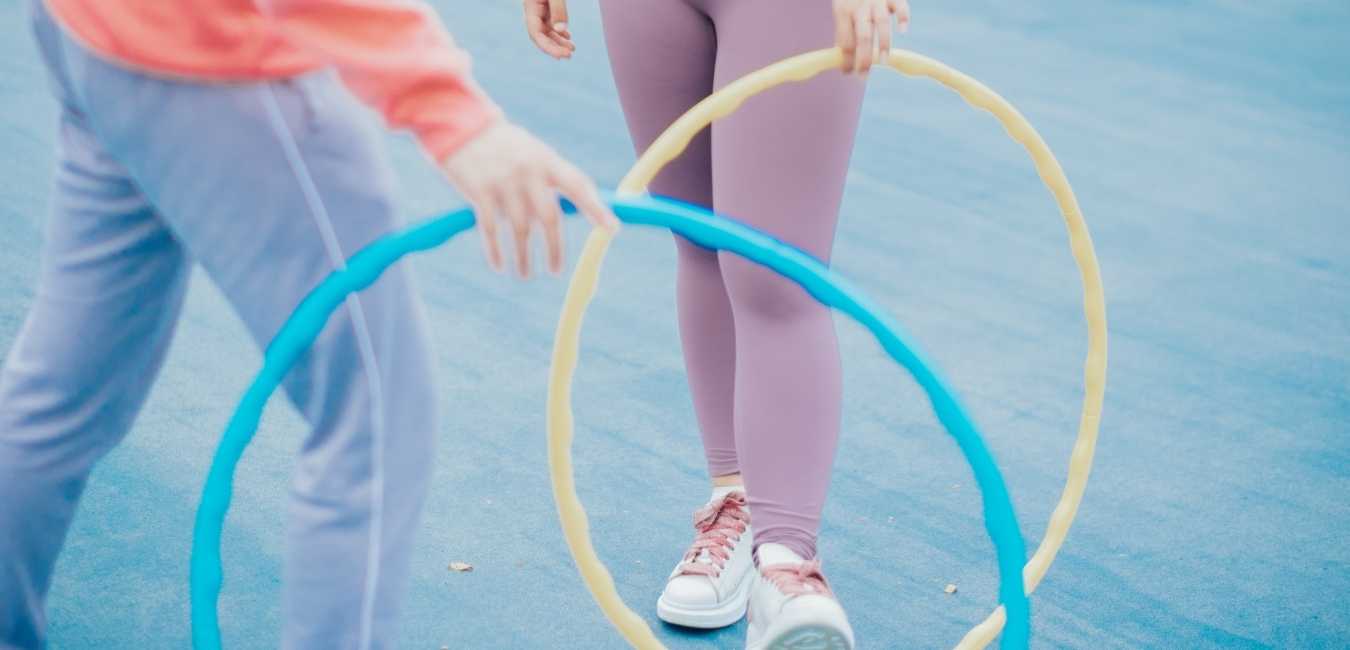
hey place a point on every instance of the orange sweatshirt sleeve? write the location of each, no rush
(396, 57)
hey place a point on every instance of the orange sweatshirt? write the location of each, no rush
(393, 54)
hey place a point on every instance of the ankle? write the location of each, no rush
(784, 549)
(727, 480)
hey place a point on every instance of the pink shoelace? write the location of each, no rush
(720, 525)
(798, 579)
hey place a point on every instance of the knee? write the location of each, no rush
(690, 254)
(63, 415)
(364, 410)
(760, 294)
(390, 448)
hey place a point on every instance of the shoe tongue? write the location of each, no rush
(770, 554)
(704, 557)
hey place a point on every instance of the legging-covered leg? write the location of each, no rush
(662, 53)
(779, 165)
(762, 356)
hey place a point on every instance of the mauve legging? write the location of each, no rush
(762, 357)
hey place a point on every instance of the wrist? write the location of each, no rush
(443, 142)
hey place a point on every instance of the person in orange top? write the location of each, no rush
(224, 133)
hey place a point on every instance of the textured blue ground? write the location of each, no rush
(1205, 140)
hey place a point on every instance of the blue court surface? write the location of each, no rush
(1209, 144)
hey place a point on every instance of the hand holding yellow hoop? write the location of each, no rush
(671, 144)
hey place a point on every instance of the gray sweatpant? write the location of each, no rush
(268, 186)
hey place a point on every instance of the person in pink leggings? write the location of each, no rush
(761, 354)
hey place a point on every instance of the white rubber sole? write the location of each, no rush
(820, 627)
(808, 637)
(721, 615)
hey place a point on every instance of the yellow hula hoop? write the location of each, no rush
(667, 147)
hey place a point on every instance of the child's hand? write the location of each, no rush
(513, 179)
(546, 21)
(862, 29)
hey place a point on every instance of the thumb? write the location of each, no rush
(557, 15)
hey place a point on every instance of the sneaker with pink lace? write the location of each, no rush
(711, 584)
(791, 605)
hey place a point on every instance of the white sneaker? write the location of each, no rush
(792, 607)
(710, 586)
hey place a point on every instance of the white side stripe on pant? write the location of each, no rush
(339, 261)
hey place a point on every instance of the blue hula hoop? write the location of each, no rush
(696, 224)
